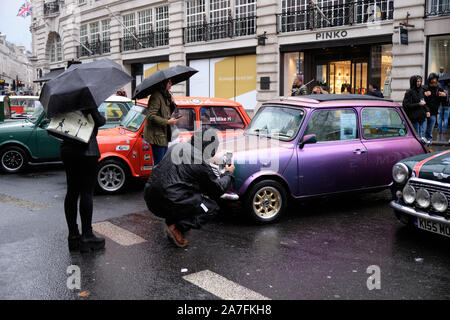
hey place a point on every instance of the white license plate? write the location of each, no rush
(432, 226)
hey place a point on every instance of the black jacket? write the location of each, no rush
(415, 112)
(434, 100)
(90, 149)
(178, 187)
(375, 93)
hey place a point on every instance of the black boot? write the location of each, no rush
(74, 240)
(90, 242)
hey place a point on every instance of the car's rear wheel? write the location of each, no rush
(266, 201)
(13, 159)
(112, 176)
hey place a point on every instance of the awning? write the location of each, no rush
(51, 75)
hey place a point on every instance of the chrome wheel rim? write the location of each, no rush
(111, 177)
(12, 160)
(267, 202)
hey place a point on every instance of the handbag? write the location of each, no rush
(73, 125)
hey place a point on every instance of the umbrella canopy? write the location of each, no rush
(82, 86)
(177, 74)
(445, 77)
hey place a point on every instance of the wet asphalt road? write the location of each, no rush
(319, 250)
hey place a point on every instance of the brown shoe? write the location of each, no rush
(175, 235)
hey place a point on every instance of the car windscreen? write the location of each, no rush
(134, 118)
(276, 122)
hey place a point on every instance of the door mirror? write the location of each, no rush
(308, 139)
(44, 123)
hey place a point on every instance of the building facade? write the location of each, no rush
(16, 70)
(251, 50)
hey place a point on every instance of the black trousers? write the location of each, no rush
(80, 174)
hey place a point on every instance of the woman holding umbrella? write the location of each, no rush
(157, 129)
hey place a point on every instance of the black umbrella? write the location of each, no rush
(82, 86)
(177, 74)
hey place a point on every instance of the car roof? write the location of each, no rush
(198, 101)
(333, 100)
(20, 97)
(115, 98)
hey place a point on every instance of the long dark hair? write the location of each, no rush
(162, 88)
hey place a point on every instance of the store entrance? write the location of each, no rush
(343, 77)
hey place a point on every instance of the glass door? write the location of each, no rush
(359, 77)
(340, 76)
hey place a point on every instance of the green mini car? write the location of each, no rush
(421, 191)
(24, 141)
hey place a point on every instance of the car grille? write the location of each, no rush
(432, 188)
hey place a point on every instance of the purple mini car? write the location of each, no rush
(301, 147)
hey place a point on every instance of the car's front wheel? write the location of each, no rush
(112, 176)
(13, 159)
(266, 201)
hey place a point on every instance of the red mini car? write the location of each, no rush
(125, 154)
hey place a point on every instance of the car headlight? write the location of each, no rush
(400, 172)
(439, 202)
(423, 198)
(409, 194)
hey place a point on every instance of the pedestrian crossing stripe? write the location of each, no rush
(117, 234)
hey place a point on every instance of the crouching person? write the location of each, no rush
(183, 188)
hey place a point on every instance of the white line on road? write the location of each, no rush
(117, 234)
(222, 287)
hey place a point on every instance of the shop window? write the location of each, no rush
(333, 125)
(293, 67)
(381, 66)
(439, 54)
(221, 118)
(379, 123)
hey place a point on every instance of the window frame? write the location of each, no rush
(316, 110)
(407, 131)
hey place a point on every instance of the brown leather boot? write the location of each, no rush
(176, 236)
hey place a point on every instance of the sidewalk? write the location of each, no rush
(442, 142)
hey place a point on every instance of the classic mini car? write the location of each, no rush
(309, 146)
(125, 154)
(421, 192)
(27, 140)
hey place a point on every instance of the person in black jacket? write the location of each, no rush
(80, 163)
(183, 188)
(415, 106)
(434, 96)
(374, 91)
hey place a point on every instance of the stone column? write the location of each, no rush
(177, 54)
(407, 60)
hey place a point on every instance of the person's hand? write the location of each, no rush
(230, 168)
(428, 114)
(442, 94)
(173, 121)
(427, 93)
(422, 103)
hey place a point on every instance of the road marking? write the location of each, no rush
(222, 287)
(32, 206)
(117, 234)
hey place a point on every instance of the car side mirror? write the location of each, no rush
(308, 139)
(44, 123)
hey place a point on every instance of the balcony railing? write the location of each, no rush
(438, 8)
(349, 13)
(220, 30)
(51, 7)
(150, 39)
(95, 48)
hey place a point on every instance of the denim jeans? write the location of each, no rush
(420, 128)
(431, 121)
(158, 153)
(444, 112)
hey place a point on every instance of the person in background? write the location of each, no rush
(159, 118)
(80, 163)
(444, 112)
(415, 106)
(298, 89)
(183, 189)
(434, 97)
(318, 90)
(121, 93)
(374, 91)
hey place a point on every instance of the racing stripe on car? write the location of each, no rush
(420, 164)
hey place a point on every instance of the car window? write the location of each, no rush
(221, 118)
(134, 118)
(113, 111)
(187, 122)
(333, 125)
(381, 122)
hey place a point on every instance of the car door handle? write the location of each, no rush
(360, 151)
